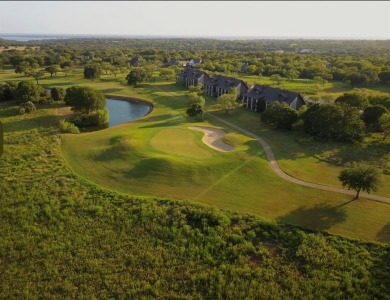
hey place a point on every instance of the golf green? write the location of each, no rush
(178, 142)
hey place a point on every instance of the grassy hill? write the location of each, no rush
(119, 226)
(64, 237)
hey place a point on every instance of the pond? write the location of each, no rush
(122, 111)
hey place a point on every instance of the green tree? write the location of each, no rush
(106, 67)
(53, 69)
(85, 99)
(360, 177)
(136, 76)
(281, 115)
(384, 77)
(167, 73)
(195, 89)
(57, 93)
(37, 75)
(8, 90)
(338, 123)
(354, 99)
(371, 117)
(92, 71)
(194, 98)
(26, 108)
(276, 78)
(27, 91)
(384, 122)
(227, 102)
(292, 74)
(196, 111)
(22, 68)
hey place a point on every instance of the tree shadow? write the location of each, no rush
(254, 148)
(112, 90)
(119, 149)
(384, 234)
(322, 216)
(29, 123)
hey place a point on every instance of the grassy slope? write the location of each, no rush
(240, 181)
(62, 237)
(209, 182)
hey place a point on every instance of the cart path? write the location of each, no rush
(275, 167)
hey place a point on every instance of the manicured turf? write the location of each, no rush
(123, 158)
(178, 142)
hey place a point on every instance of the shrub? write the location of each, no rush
(57, 93)
(26, 108)
(100, 117)
(68, 127)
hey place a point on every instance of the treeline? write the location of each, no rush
(358, 70)
(64, 238)
(353, 47)
(349, 119)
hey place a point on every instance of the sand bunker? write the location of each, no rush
(213, 138)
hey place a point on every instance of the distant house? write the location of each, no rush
(269, 94)
(219, 85)
(183, 63)
(190, 76)
(134, 61)
(306, 51)
(244, 67)
(171, 62)
(194, 62)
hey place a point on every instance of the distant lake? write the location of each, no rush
(26, 38)
(122, 111)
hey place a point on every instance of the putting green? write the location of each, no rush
(178, 142)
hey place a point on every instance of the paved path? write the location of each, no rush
(275, 167)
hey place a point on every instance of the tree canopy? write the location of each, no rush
(360, 177)
(85, 99)
(338, 123)
(136, 76)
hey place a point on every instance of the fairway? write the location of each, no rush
(159, 156)
(145, 158)
(178, 142)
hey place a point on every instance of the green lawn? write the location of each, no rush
(309, 88)
(134, 158)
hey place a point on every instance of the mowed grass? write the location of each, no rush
(297, 157)
(123, 159)
(178, 142)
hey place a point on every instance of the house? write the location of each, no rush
(171, 62)
(219, 85)
(194, 62)
(190, 76)
(269, 94)
(244, 67)
(134, 61)
(183, 63)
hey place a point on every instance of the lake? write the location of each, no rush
(122, 111)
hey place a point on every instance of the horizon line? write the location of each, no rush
(189, 36)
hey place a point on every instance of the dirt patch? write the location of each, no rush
(213, 138)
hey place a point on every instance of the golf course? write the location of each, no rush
(162, 155)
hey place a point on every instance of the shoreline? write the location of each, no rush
(130, 99)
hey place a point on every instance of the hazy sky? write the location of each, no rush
(199, 18)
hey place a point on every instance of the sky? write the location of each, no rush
(299, 19)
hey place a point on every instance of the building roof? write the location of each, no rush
(270, 94)
(224, 82)
(191, 74)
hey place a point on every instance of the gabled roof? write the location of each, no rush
(224, 82)
(270, 94)
(191, 74)
(134, 60)
(196, 60)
